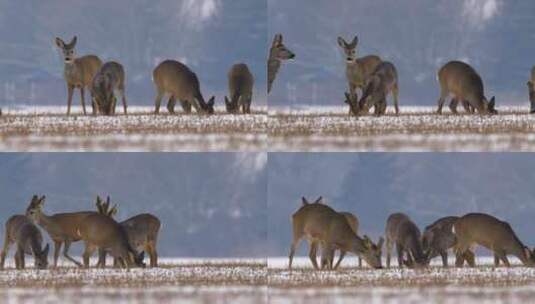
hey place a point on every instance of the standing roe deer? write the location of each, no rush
(28, 239)
(353, 222)
(107, 86)
(78, 72)
(142, 232)
(181, 83)
(487, 231)
(383, 81)
(62, 227)
(320, 224)
(358, 70)
(277, 54)
(464, 83)
(99, 231)
(531, 90)
(401, 231)
(438, 238)
(240, 87)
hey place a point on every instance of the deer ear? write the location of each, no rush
(492, 103)
(227, 102)
(41, 200)
(304, 200)
(60, 43)
(45, 251)
(341, 42)
(277, 39)
(211, 101)
(73, 41)
(318, 200)
(354, 43)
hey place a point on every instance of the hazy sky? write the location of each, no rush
(425, 186)
(207, 35)
(195, 195)
(418, 36)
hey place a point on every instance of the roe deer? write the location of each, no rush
(141, 230)
(358, 70)
(383, 81)
(401, 231)
(181, 83)
(464, 83)
(277, 54)
(438, 238)
(78, 72)
(487, 231)
(531, 90)
(353, 222)
(240, 87)
(62, 227)
(99, 231)
(320, 224)
(107, 86)
(28, 239)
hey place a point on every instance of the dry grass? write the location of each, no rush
(416, 128)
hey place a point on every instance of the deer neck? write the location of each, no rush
(45, 222)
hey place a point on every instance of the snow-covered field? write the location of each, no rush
(175, 281)
(49, 129)
(417, 128)
(483, 284)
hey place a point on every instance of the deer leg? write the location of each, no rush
(444, 255)
(395, 94)
(340, 258)
(453, 105)
(123, 97)
(5, 250)
(19, 256)
(312, 254)
(82, 98)
(400, 252)
(441, 101)
(158, 102)
(186, 106)
(88, 252)
(388, 252)
(496, 260)
(57, 248)
(101, 258)
(293, 246)
(360, 262)
(171, 104)
(153, 254)
(67, 256)
(70, 91)
(470, 258)
(505, 260)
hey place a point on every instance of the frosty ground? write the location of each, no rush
(417, 128)
(175, 281)
(49, 129)
(483, 284)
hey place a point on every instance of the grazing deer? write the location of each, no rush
(463, 82)
(277, 54)
(63, 228)
(78, 72)
(531, 90)
(487, 231)
(240, 87)
(358, 70)
(353, 222)
(142, 232)
(320, 224)
(181, 83)
(382, 82)
(99, 231)
(28, 239)
(401, 231)
(107, 86)
(438, 238)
